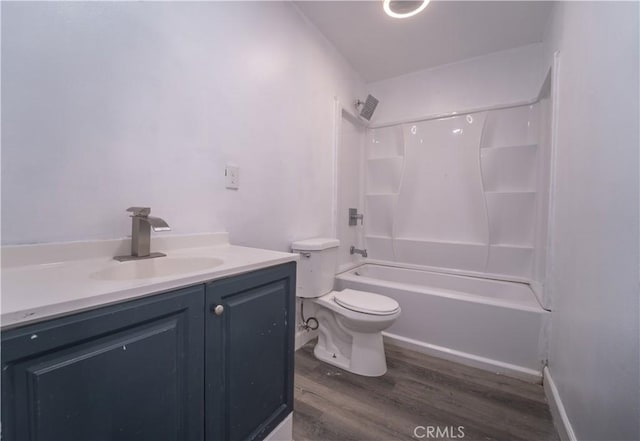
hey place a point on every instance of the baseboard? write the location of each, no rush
(303, 337)
(487, 364)
(284, 430)
(558, 412)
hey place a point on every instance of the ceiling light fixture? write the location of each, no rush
(403, 8)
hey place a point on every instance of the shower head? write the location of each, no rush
(368, 107)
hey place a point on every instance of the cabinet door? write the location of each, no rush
(249, 353)
(132, 371)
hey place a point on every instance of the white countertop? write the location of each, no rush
(45, 281)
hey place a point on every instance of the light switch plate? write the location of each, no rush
(232, 176)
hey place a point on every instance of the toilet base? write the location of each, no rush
(365, 356)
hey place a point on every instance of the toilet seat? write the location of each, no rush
(366, 302)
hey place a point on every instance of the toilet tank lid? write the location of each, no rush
(315, 244)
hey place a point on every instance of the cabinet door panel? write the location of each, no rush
(127, 372)
(253, 343)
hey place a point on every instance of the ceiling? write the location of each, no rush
(380, 47)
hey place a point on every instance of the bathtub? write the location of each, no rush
(489, 324)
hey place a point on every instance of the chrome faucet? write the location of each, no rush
(354, 250)
(141, 225)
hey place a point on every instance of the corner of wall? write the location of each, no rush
(558, 412)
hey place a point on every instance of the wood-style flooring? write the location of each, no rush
(417, 390)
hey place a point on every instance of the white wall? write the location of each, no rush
(594, 354)
(499, 78)
(107, 105)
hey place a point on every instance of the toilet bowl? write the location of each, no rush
(351, 338)
(350, 322)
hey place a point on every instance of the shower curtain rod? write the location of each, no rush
(455, 113)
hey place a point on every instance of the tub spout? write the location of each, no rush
(354, 250)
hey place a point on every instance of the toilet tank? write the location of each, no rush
(317, 266)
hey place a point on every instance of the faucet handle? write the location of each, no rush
(139, 211)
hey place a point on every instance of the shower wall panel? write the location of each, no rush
(459, 192)
(441, 197)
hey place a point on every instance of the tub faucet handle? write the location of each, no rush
(354, 216)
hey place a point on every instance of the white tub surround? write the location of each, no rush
(45, 281)
(487, 163)
(462, 193)
(489, 324)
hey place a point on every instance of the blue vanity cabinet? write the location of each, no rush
(163, 367)
(131, 371)
(249, 342)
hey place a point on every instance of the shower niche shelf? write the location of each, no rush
(517, 126)
(509, 163)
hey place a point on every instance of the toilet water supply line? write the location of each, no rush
(306, 323)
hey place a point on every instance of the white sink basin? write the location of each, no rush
(156, 267)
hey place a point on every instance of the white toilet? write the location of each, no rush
(350, 322)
